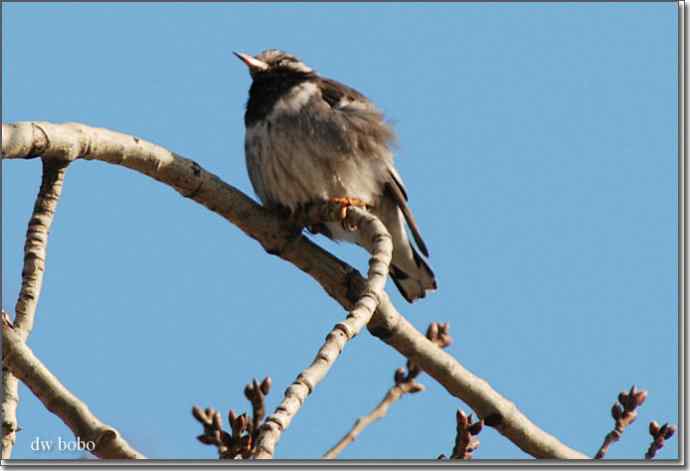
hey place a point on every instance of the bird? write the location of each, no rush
(311, 139)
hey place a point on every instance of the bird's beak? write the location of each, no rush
(255, 65)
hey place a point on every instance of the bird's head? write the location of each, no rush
(273, 61)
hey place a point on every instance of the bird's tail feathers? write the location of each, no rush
(413, 281)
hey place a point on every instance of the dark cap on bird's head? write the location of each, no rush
(273, 61)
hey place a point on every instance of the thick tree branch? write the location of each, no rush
(339, 280)
(32, 280)
(370, 228)
(20, 360)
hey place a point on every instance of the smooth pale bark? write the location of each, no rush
(339, 280)
(35, 249)
(371, 228)
(20, 360)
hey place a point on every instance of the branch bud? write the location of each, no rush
(476, 427)
(670, 431)
(640, 397)
(653, 428)
(206, 439)
(243, 421)
(266, 385)
(432, 331)
(217, 421)
(198, 414)
(461, 418)
(622, 398)
(399, 376)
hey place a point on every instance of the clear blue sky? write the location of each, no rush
(538, 144)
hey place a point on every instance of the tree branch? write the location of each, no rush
(32, 280)
(659, 435)
(255, 394)
(240, 441)
(20, 360)
(624, 413)
(380, 411)
(339, 280)
(465, 441)
(404, 384)
(370, 228)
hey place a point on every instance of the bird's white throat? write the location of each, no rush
(295, 100)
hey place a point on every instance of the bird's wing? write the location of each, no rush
(355, 118)
(340, 97)
(338, 94)
(396, 189)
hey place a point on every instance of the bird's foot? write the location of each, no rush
(345, 202)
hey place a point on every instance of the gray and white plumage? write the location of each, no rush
(309, 139)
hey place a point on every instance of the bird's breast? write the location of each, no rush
(303, 151)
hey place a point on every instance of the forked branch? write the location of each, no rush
(240, 441)
(102, 440)
(339, 280)
(35, 248)
(371, 228)
(404, 383)
(659, 435)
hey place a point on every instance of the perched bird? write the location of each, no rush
(310, 139)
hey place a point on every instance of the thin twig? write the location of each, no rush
(372, 229)
(32, 280)
(659, 435)
(240, 441)
(256, 394)
(236, 444)
(404, 384)
(624, 413)
(338, 279)
(100, 439)
(393, 394)
(229, 446)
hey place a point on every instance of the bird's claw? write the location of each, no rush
(345, 202)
